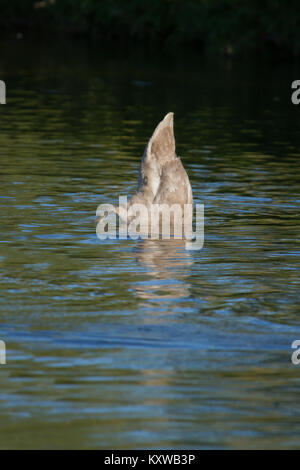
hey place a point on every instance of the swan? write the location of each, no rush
(162, 179)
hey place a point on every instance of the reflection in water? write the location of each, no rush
(168, 262)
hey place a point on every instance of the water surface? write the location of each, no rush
(142, 344)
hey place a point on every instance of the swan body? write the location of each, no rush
(162, 179)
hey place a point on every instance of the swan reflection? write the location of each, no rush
(168, 263)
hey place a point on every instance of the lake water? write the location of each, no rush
(143, 344)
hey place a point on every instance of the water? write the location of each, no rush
(130, 344)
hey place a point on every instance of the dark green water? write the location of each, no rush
(130, 344)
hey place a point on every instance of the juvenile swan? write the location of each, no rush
(162, 177)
